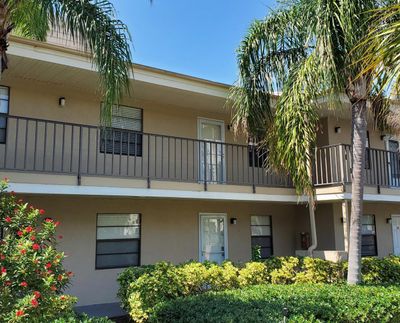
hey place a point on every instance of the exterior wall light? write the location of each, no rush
(233, 220)
(61, 101)
(338, 129)
(388, 220)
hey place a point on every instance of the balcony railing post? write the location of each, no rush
(148, 161)
(79, 155)
(342, 161)
(205, 165)
(252, 168)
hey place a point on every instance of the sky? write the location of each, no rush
(194, 37)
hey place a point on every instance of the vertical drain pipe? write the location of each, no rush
(311, 209)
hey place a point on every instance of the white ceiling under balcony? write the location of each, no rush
(46, 63)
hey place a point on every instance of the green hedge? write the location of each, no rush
(305, 303)
(142, 288)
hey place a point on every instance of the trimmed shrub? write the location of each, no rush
(143, 288)
(381, 271)
(304, 303)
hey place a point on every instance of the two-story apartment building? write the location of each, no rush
(169, 181)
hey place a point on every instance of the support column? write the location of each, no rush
(346, 224)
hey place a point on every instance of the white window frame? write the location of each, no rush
(213, 215)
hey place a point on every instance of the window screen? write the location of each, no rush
(368, 238)
(261, 234)
(118, 240)
(124, 137)
(4, 109)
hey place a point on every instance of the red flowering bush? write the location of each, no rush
(32, 277)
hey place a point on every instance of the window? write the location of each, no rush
(118, 240)
(261, 234)
(4, 98)
(368, 238)
(124, 136)
(258, 155)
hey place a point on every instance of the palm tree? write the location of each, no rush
(91, 24)
(382, 52)
(306, 51)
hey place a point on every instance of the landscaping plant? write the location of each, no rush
(142, 289)
(32, 277)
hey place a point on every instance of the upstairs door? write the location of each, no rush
(213, 237)
(394, 162)
(396, 234)
(212, 150)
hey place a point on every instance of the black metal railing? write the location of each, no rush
(37, 145)
(332, 165)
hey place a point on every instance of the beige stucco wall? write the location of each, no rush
(384, 236)
(344, 137)
(170, 231)
(40, 100)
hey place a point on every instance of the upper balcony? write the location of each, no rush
(41, 146)
(53, 147)
(332, 166)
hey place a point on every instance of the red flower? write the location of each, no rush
(8, 219)
(63, 298)
(20, 233)
(49, 272)
(29, 229)
(37, 294)
(32, 238)
(60, 277)
(35, 246)
(70, 274)
(3, 270)
(48, 220)
(48, 265)
(2, 257)
(7, 283)
(60, 236)
(41, 211)
(53, 288)
(23, 251)
(19, 313)
(23, 284)
(6, 179)
(57, 223)
(34, 303)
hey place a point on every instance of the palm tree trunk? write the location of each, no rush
(359, 137)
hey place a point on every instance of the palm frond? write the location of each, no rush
(94, 26)
(264, 58)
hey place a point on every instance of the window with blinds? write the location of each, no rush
(117, 240)
(261, 234)
(368, 238)
(124, 137)
(4, 108)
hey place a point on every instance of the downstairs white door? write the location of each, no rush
(213, 237)
(396, 234)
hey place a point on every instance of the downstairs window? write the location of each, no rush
(261, 234)
(117, 240)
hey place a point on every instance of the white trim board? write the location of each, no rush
(24, 188)
(49, 189)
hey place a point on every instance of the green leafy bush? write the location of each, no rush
(32, 276)
(266, 303)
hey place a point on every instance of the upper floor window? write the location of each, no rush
(368, 239)
(124, 136)
(4, 109)
(118, 240)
